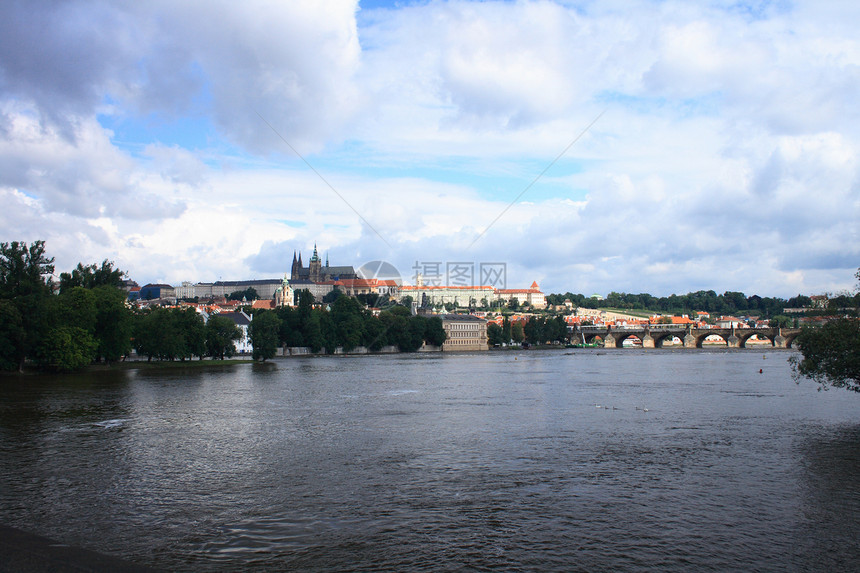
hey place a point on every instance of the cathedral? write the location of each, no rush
(316, 272)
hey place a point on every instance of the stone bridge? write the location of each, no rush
(655, 335)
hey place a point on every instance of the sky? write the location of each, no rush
(591, 146)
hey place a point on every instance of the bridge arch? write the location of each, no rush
(743, 337)
(701, 338)
(661, 337)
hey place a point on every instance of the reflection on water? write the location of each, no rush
(633, 460)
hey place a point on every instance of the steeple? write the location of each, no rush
(315, 256)
(326, 260)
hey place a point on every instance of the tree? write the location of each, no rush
(517, 332)
(11, 335)
(332, 295)
(193, 332)
(113, 324)
(494, 334)
(348, 323)
(506, 330)
(221, 334)
(265, 327)
(22, 282)
(435, 334)
(170, 334)
(249, 293)
(66, 348)
(91, 276)
(831, 355)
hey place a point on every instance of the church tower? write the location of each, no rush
(315, 267)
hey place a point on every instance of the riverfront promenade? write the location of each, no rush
(22, 552)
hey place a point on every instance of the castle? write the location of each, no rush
(316, 272)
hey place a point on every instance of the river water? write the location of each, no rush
(583, 460)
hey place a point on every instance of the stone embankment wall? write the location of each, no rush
(306, 351)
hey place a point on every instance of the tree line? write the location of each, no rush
(345, 322)
(536, 330)
(708, 301)
(84, 317)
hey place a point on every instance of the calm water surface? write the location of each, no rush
(542, 461)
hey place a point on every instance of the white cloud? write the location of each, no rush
(726, 159)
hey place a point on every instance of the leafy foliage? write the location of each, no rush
(265, 327)
(831, 355)
(709, 301)
(495, 334)
(221, 335)
(66, 348)
(249, 294)
(23, 285)
(91, 276)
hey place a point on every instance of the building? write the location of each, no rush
(284, 295)
(463, 296)
(318, 290)
(242, 321)
(265, 288)
(156, 291)
(531, 296)
(316, 272)
(465, 332)
(382, 287)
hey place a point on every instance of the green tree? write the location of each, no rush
(160, 333)
(66, 348)
(221, 335)
(265, 328)
(506, 330)
(494, 334)
(346, 314)
(192, 329)
(23, 270)
(313, 333)
(435, 331)
(830, 355)
(249, 293)
(374, 332)
(781, 321)
(75, 307)
(517, 334)
(113, 328)
(332, 295)
(91, 276)
(417, 333)
(11, 335)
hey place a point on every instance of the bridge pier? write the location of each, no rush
(689, 340)
(733, 341)
(647, 340)
(609, 341)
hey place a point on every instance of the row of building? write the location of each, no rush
(320, 279)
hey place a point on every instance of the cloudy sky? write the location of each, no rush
(636, 146)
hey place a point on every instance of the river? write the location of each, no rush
(585, 460)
